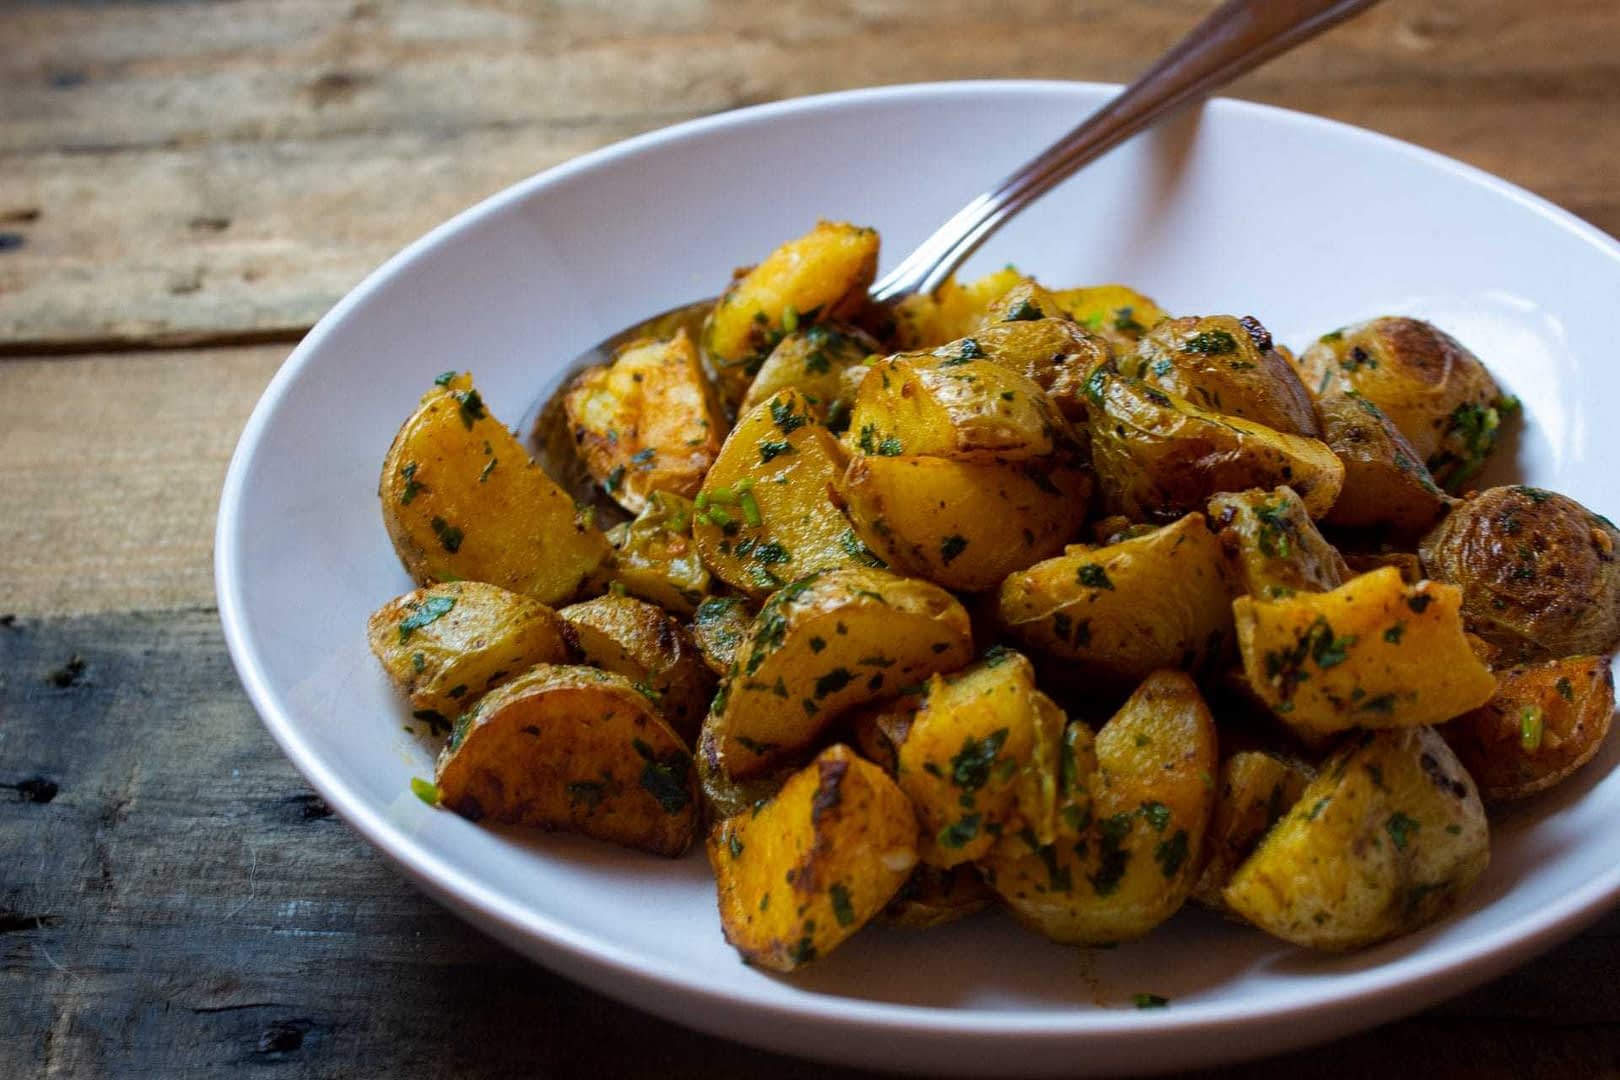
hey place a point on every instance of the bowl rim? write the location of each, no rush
(1423, 976)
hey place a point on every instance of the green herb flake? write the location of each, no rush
(1024, 311)
(771, 449)
(890, 447)
(786, 420)
(1149, 1001)
(450, 536)
(472, 407)
(1566, 689)
(1094, 576)
(1172, 853)
(614, 479)
(444, 377)
(843, 909)
(412, 485)
(960, 833)
(1210, 343)
(1400, 829)
(970, 768)
(424, 613)
(834, 681)
(586, 793)
(426, 790)
(1157, 814)
(1393, 634)
(735, 845)
(1531, 727)
(951, 547)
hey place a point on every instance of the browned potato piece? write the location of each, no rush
(827, 644)
(1274, 546)
(1373, 653)
(1158, 456)
(1546, 721)
(819, 277)
(813, 361)
(462, 501)
(1254, 792)
(1024, 302)
(961, 524)
(933, 897)
(813, 865)
(1225, 365)
(1116, 614)
(878, 729)
(655, 558)
(979, 759)
(1386, 485)
(1117, 312)
(1537, 570)
(1054, 354)
(638, 640)
(1411, 569)
(962, 407)
(765, 516)
(1127, 863)
(718, 628)
(447, 645)
(1435, 391)
(575, 749)
(922, 322)
(1386, 839)
(647, 422)
(724, 795)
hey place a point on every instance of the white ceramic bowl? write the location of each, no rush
(1305, 223)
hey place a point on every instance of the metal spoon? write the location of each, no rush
(1234, 39)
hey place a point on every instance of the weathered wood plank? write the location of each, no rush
(184, 173)
(170, 922)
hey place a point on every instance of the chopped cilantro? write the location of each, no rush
(423, 613)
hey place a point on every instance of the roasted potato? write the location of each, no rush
(1545, 721)
(655, 558)
(640, 641)
(1117, 312)
(447, 645)
(1025, 301)
(1054, 354)
(1386, 839)
(1387, 487)
(1158, 456)
(646, 422)
(1435, 391)
(462, 501)
(1113, 615)
(724, 795)
(933, 897)
(814, 361)
(826, 644)
(718, 628)
(1128, 860)
(1225, 365)
(1254, 791)
(1373, 653)
(1538, 572)
(574, 749)
(765, 516)
(820, 277)
(961, 524)
(922, 322)
(813, 865)
(1274, 547)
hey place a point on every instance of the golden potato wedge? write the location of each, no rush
(573, 749)
(1386, 485)
(1225, 365)
(814, 361)
(922, 322)
(1386, 839)
(1373, 653)
(655, 558)
(813, 865)
(1254, 791)
(1545, 721)
(819, 277)
(1159, 456)
(647, 646)
(447, 645)
(961, 524)
(646, 422)
(933, 897)
(462, 501)
(1117, 312)
(1129, 863)
(1113, 615)
(827, 644)
(1274, 547)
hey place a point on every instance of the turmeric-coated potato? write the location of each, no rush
(448, 645)
(804, 871)
(1225, 365)
(646, 422)
(574, 749)
(655, 557)
(719, 626)
(1274, 547)
(1545, 721)
(1126, 860)
(1387, 488)
(1373, 653)
(1116, 614)
(923, 322)
(1255, 789)
(961, 524)
(646, 645)
(1118, 312)
(1386, 839)
(827, 644)
(814, 361)
(462, 501)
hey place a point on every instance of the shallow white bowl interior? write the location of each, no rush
(1237, 208)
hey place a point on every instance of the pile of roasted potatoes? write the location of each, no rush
(1007, 596)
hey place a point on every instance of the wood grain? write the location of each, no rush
(168, 922)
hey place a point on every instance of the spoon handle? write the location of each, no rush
(1237, 37)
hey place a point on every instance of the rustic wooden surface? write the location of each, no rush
(186, 187)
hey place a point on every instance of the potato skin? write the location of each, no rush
(462, 500)
(640, 641)
(1387, 488)
(814, 362)
(1273, 546)
(1117, 312)
(719, 626)
(1538, 572)
(1255, 789)
(655, 557)
(933, 897)
(647, 422)
(964, 525)
(447, 645)
(954, 311)
(1053, 353)
(824, 645)
(1545, 721)
(1126, 859)
(1373, 653)
(1116, 614)
(801, 874)
(1225, 365)
(1386, 839)
(573, 749)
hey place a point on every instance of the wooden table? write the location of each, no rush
(185, 188)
